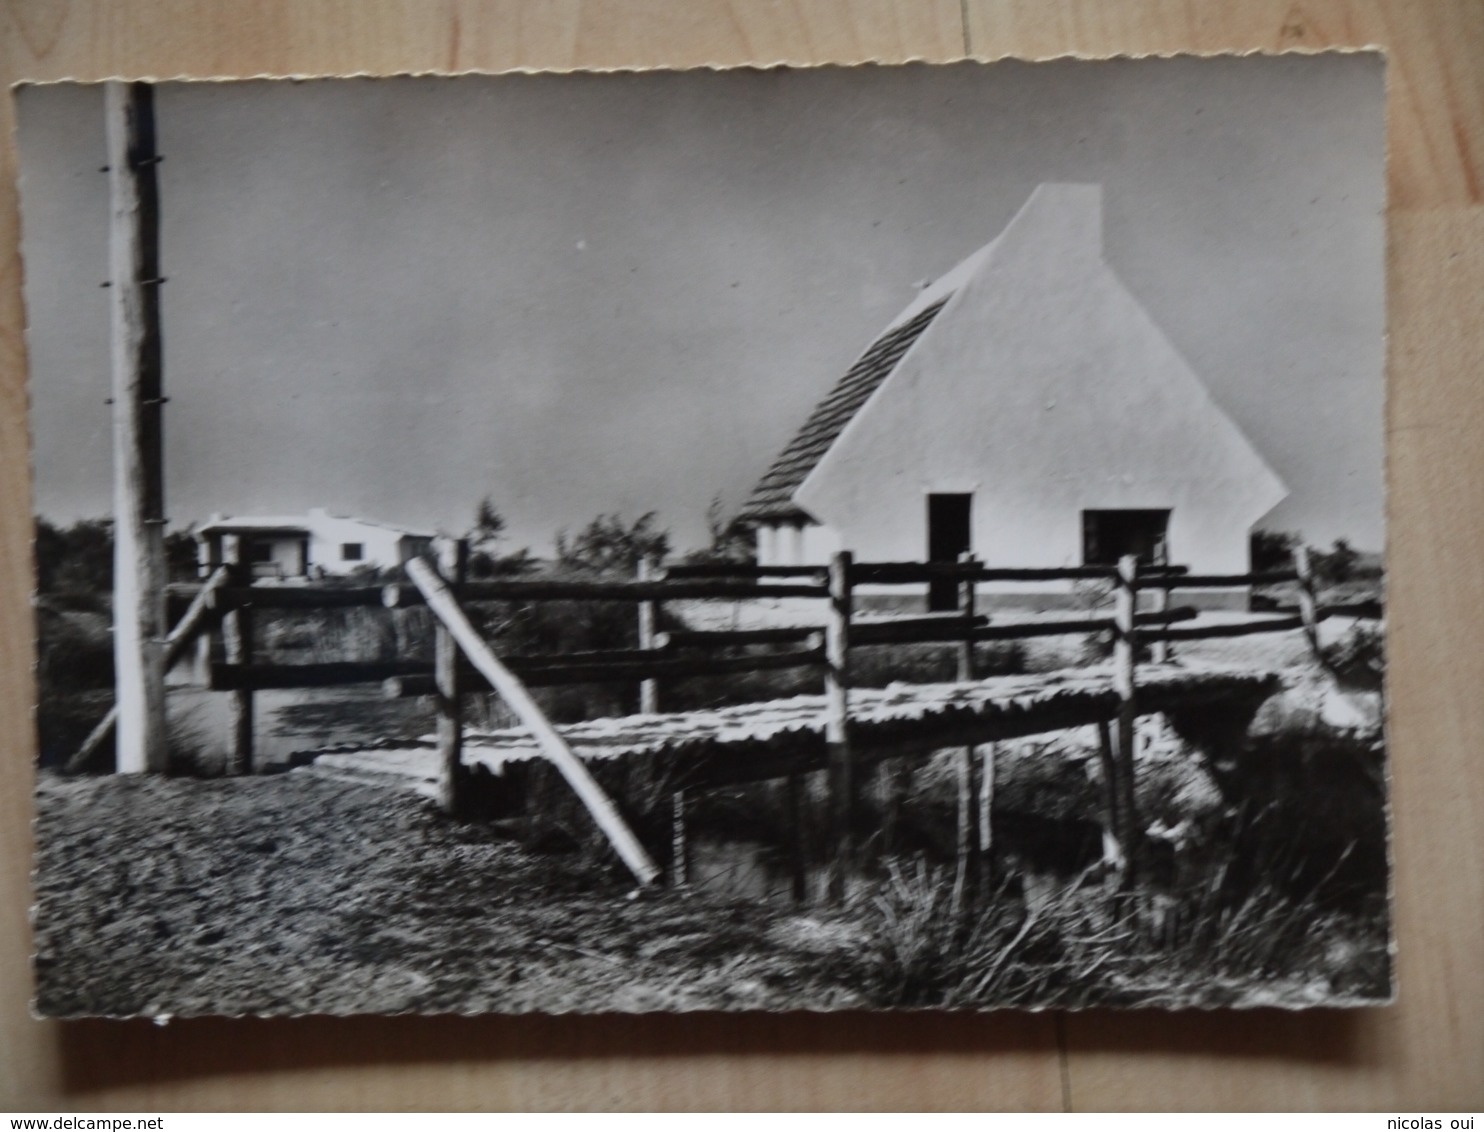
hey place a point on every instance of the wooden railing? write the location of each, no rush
(460, 669)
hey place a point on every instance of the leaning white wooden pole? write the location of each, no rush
(138, 471)
(448, 611)
(187, 630)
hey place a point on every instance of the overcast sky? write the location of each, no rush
(595, 293)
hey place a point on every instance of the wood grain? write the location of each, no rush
(1428, 1051)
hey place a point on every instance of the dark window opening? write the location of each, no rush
(949, 529)
(260, 552)
(352, 551)
(1109, 535)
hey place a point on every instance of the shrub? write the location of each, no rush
(74, 565)
(74, 653)
(1336, 566)
(610, 546)
(731, 540)
(1358, 659)
(1271, 551)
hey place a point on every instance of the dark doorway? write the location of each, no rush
(1108, 535)
(949, 527)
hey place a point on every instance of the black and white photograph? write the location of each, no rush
(788, 539)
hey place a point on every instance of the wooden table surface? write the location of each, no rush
(1425, 1053)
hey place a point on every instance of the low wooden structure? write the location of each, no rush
(843, 732)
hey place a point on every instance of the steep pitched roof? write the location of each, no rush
(772, 498)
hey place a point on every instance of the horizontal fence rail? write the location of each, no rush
(1229, 629)
(557, 589)
(911, 573)
(665, 660)
(915, 630)
(914, 573)
(733, 638)
(1361, 610)
(1229, 581)
(741, 570)
(311, 596)
(332, 674)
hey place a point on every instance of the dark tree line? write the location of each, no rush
(609, 544)
(74, 564)
(1341, 563)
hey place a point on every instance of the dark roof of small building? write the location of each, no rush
(772, 498)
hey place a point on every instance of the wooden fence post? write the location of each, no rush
(967, 839)
(1125, 658)
(966, 602)
(837, 725)
(237, 645)
(452, 781)
(1307, 598)
(649, 696)
(1159, 651)
(209, 641)
(649, 703)
(139, 571)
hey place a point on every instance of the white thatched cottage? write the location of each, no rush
(1025, 407)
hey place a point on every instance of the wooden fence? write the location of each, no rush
(464, 663)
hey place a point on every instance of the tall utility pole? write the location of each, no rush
(138, 454)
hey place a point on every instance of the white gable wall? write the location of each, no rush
(328, 534)
(1045, 389)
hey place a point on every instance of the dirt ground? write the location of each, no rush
(291, 894)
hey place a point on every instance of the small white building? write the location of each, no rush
(1024, 407)
(317, 544)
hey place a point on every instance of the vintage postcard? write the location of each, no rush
(784, 539)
